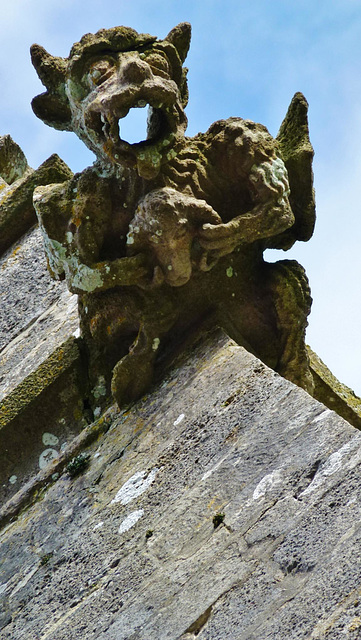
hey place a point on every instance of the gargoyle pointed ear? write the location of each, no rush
(52, 106)
(180, 38)
(50, 69)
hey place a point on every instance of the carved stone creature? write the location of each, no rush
(163, 232)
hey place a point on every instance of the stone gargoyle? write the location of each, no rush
(159, 234)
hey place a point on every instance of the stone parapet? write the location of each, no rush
(17, 185)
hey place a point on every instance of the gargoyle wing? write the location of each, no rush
(297, 152)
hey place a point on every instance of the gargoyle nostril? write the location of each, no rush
(135, 71)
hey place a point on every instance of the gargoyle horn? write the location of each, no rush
(52, 106)
(180, 38)
(297, 152)
(50, 69)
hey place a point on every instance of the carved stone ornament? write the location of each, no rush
(159, 234)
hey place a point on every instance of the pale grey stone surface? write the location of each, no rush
(26, 288)
(128, 551)
(38, 328)
(23, 355)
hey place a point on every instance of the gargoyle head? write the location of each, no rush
(107, 74)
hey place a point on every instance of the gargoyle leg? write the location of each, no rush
(133, 374)
(250, 321)
(109, 321)
(290, 290)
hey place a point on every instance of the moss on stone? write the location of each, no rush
(218, 519)
(78, 464)
(333, 393)
(17, 213)
(30, 388)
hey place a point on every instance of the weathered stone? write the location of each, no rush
(333, 393)
(40, 415)
(26, 289)
(297, 152)
(42, 382)
(129, 550)
(18, 182)
(162, 232)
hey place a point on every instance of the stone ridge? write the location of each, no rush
(17, 184)
(28, 351)
(223, 505)
(333, 393)
(35, 383)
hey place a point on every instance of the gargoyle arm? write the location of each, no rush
(263, 221)
(99, 276)
(271, 214)
(105, 275)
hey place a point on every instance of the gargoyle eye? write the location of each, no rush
(159, 64)
(100, 71)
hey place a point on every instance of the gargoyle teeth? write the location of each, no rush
(106, 125)
(110, 127)
(114, 129)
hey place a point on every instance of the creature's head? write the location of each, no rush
(165, 227)
(168, 239)
(107, 74)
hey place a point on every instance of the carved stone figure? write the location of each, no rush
(158, 234)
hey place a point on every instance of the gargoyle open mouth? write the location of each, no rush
(157, 127)
(161, 124)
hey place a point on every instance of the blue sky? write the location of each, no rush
(246, 59)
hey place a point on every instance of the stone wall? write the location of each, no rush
(41, 382)
(225, 504)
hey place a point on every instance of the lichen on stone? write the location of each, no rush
(162, 232)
